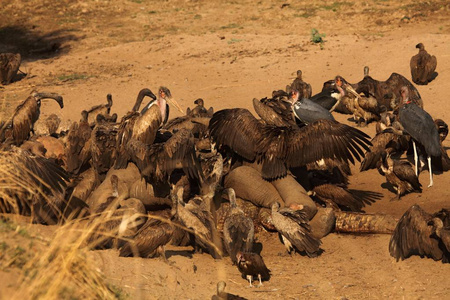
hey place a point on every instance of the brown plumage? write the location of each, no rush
(420, 233)
(103, 145)
(279, 148)
(275, 111)
(386, 141)
(160, 159)
(294, 230)
(200, 110)
(423, 66)
(52, 123)
(9, 65)
(302, 87)
(238, 229)
(152, 236)
(387, 92)
(27, 113)
(37, 187)
(252, 265)
(340, 197)
(442, 129)
(195, 217)
(101, 109)
(400, 174)
(134, 125)
(78, 145)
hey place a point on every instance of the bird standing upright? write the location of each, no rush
(423, 66)
(420, 126)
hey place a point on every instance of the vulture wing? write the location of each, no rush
(412, 236)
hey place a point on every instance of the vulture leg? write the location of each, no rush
(260, 281)
(431, 172)
(416, 158)
(249, 278)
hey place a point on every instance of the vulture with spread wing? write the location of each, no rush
(421, 233)
(279, 148)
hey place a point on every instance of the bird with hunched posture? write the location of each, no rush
(420, 233)
(423, 66)
(252, 265)
(238, 230)
(294, 229)
(420, 126)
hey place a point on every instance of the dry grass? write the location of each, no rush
(61, 268)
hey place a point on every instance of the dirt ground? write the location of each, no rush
(229, 52)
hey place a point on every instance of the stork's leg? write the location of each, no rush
(260, 281)
(431, 172)
(416, 158)
(249, 278)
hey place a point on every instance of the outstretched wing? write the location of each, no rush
(412, 236)
(237, 129)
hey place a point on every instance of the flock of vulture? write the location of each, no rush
(212, 179)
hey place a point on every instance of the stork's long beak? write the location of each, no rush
(175, 103)
(349, 89)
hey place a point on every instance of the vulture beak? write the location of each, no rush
(54, 96)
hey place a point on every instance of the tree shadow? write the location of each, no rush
(33, 45)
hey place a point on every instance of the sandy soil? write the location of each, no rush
(229, 52)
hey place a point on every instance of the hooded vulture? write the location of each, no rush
(423, 66)
(280, 148)
(420, 233)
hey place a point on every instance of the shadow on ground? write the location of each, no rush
(32, 45)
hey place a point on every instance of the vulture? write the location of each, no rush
(157, 161)
(78, 145)
(420, 233)
(280, 148)
(37, 187)
(163, 100)
(387, 92)
(196, 218)
(103, 145)
(199, 110)
(103, 109)
(400, 174)
(152, 236)
(442, 128)
(299, 85)
(27, 113)
(423, 66)
(386, 141)
(238, 230)
(252, 265)
(294, 230)
(52, 123)
(417, 123)
(139, 126)
(9, 65)
(276, 111)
